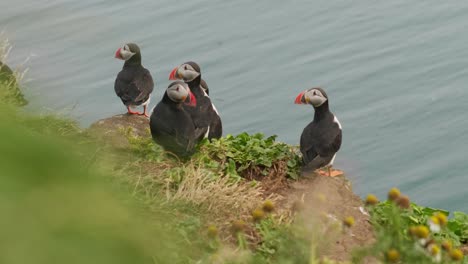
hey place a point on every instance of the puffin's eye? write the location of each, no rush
(185, 67)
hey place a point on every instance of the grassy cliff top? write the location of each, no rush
(108, 194)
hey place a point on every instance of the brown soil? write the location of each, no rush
(330, 199)
(315, 195)
(464, 249)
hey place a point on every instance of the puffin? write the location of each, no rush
(170, 124)
(321, 138)
(134, 83)
(204, 86)
(205, 115)
(216, 126)
(8, 81)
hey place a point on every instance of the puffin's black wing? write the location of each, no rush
(123, 89)
(134, 86)
(200, 133)
(330, 143)
(172, 140)
(145, 85)
(336, 145)
(216, 128)
(321, 158)
(318, 146)
(204, 86)
(120, 86)
(203, 112)
(172, 130)
(308, 147)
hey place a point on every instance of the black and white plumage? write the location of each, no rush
(320, 139)
(134, 83)
(204, 86)
(170, 124)
(216, 126)
(205, 115)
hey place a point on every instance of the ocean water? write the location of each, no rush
(396, 73)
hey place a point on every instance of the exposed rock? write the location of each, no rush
(113, 130)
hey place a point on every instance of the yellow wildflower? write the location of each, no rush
(434, 250)
(442, 218)
(393, 194)
(422, 231)
(371, 199)
(393, 255)
(349, 221)
(258, 214)
(212, 231)
(268, 206)
(456, 254)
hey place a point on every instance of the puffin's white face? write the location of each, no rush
(124, 53)
(179, 92)
(313, 96)
(185, 72)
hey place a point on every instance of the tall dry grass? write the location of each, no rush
(10, 79)
(223, 199)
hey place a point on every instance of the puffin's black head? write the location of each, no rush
(128, 51)
(314, 96)
(179, 92)
(187, 71)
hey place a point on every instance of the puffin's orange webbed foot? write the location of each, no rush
(330, 172)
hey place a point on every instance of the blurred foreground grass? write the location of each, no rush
(55, 209)
(65, 198)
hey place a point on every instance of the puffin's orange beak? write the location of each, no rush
(174, 75)
(299, 99)
(118, 55)
(191, 100)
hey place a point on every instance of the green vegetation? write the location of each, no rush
(58, 208)
(251, 156)
(456, 228)
(68, 198)
(242, 156)
(63, 204)
(408, 233)
(9, 80)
